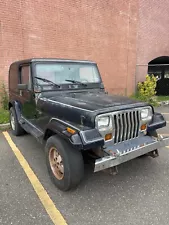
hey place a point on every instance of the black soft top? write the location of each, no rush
(25, 61)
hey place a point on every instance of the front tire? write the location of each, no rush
(64, 163)
(16, 128)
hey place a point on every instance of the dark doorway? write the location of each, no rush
(160, 68)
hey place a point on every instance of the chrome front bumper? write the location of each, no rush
(118, 154)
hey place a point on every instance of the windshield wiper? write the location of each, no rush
(48, 81)
(77, 82)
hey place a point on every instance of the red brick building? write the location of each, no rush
(116, 34)
(153, 35)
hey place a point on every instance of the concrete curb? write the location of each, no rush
(4, 126)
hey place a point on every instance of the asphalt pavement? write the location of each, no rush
(19, 203)
(138, 194)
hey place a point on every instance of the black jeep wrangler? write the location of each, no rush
(63, 104)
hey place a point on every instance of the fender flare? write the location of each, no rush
(80, 139)
(59, 127)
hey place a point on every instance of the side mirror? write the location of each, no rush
(22, 87)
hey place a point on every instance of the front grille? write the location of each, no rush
(126, 125)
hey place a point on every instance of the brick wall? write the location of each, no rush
(153, 31)
(103, 31)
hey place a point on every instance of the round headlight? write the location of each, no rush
(103, 122)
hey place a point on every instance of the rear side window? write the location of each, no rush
(13, 78)
(25, 77)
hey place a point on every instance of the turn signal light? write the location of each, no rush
(108, 137)
(144, 127)
(70, 130)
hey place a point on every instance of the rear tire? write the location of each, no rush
(16, 128)
(64, 163)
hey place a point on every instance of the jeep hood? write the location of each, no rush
(80, 109)
(94, 101)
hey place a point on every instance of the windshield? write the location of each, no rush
(67, 73)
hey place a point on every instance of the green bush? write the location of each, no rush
(4, 116)
(4, 99)
(146, 90)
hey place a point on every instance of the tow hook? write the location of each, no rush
(160, 137)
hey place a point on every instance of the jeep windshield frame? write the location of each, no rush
(60, 72)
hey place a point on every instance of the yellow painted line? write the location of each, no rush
(48, 204)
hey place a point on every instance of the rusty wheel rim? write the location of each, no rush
(56, 163)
